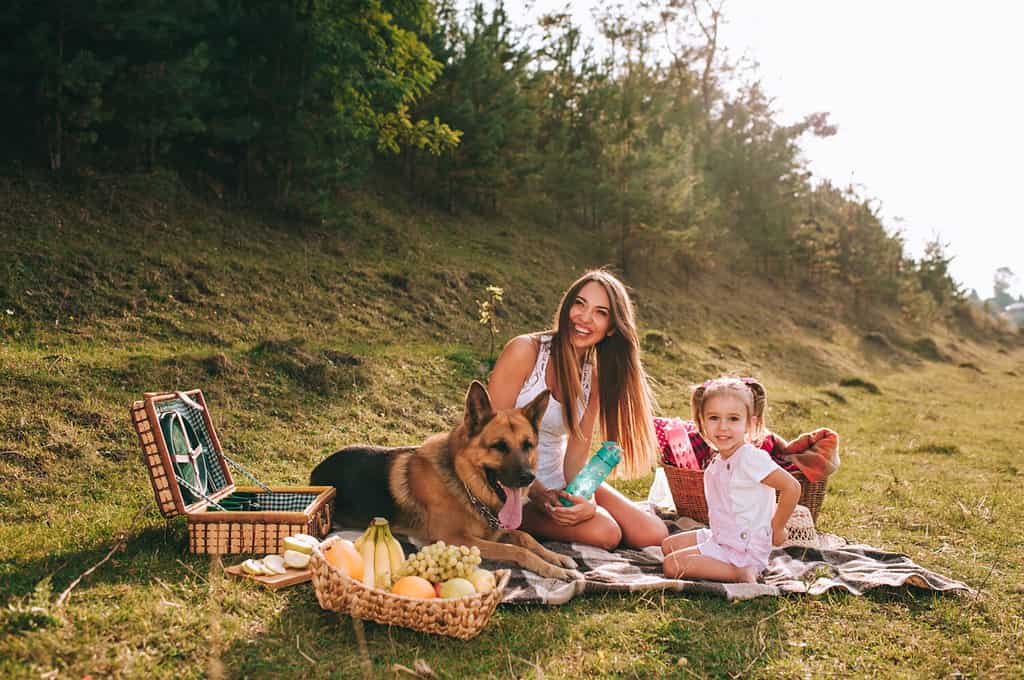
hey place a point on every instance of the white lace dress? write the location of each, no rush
(553, 437)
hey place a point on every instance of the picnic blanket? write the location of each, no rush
(837, 564)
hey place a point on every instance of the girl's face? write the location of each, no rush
(727, 423)
(589, 317)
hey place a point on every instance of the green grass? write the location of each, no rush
(307, 337)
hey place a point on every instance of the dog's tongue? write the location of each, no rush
(511, 514)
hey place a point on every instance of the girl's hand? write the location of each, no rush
(779, 536)
(580, 511)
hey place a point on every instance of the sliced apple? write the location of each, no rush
(253, 567)
(302, 543)
(295, 559)
(312, 540)
(274, 564)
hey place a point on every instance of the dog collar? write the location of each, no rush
(486, 512)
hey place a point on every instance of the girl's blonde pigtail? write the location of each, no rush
(697, 406)
(760, 394)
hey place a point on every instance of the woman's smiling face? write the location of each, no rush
(590, 317)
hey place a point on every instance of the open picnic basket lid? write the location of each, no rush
(186, 464)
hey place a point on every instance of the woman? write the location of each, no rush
(593, 344)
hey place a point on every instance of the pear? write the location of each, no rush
(482, 580)
(457, 587)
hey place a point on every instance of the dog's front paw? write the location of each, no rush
(574, 575)
(562, 574)
(565, 561)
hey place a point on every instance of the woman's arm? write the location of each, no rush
(578, 448)
(576, 452)
(511, 370)
(507, 378)
(789, 494)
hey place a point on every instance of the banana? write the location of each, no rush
(358, 543)
(367, 551)
(382, 558)
(395, 553)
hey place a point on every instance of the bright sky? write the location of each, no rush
(928, 100)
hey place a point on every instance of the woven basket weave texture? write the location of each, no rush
(687, 488)
(461, 618)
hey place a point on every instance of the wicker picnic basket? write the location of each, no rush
(222, 518)
(687, 488)
(462, 617)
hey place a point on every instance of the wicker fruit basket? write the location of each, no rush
(687, 488)
(461, 618)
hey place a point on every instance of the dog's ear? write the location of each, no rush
(478, 407)
(534, 411)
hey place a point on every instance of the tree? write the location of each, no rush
(285, 93)
(1003, 280)
(54, 65)
(482, 92)
(161, 90)
(933, 274)
(309, 91)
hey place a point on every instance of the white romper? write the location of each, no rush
(553, 438)
(740, 508)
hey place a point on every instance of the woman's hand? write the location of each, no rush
(580, 511)
(546, 499)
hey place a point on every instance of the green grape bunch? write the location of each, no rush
(439, 562)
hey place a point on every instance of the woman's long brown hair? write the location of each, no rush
(626, 402)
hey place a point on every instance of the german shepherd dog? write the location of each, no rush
(463, 487)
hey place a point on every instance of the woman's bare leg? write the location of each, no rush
(639, 527)
(600, 530)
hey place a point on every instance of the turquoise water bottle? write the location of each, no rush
(586, 481)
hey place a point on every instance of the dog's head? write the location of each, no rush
(503, 445)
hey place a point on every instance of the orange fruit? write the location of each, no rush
(344, 556)
(414, 586)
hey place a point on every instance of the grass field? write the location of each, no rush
(364, 328)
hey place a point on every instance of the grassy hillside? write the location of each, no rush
(364, 328)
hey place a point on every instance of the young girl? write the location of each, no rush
(739, 483)
(590, 360)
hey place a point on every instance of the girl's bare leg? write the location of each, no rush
(679, 541)
(690, 564)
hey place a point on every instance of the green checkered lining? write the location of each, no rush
(241, 501)
(195, 419)
(287, 501)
